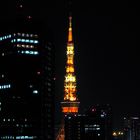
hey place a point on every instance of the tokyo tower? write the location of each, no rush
(70, 103)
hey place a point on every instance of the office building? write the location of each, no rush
(26, 80)
(131, 128)
(95, 124)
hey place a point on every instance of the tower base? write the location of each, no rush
(70, 107)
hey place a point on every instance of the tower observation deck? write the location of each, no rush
(70, 103)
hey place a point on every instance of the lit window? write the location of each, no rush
(35, 41)
(22, 40)
(102, 115)
(27, 40)
(35, 91)
(31, 86)
(31, 41)
(18, 40)
(5, 86)
(29, 52)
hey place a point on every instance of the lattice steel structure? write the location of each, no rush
(70, 103)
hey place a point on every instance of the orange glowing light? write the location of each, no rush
(70, 30)
(69, 61)
(70, 109)
(70, 35)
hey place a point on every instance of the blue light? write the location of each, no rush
(18, 40)
(5, 37)
(25, 137)
(25, 40)
(29, 52)
(31, 41)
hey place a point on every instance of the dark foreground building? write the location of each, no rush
(26, 81)
(131, 128)
(95, 124)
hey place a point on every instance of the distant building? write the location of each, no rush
(26, 81)
(95, 124)
(132, 128)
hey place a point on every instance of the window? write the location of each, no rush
(29, 52)
(35, 91)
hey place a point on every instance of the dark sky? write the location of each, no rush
(107, 55)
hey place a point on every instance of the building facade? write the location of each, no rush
(26, 81)
(131, 128)
(95, 124)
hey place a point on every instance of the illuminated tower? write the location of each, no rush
(70, 103)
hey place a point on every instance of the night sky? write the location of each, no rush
(107, 55)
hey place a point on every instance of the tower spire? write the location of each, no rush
(70, 30)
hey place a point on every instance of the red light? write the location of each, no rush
(94, 109)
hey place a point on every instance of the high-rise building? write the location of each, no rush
(95, 124)
(131, 128)
(26, 81)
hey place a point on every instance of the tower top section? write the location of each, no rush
(70, 38)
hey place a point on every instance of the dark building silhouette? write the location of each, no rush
(95, 124)
(131, 128)
(26, 79)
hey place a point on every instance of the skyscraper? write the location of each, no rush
(26, 80)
